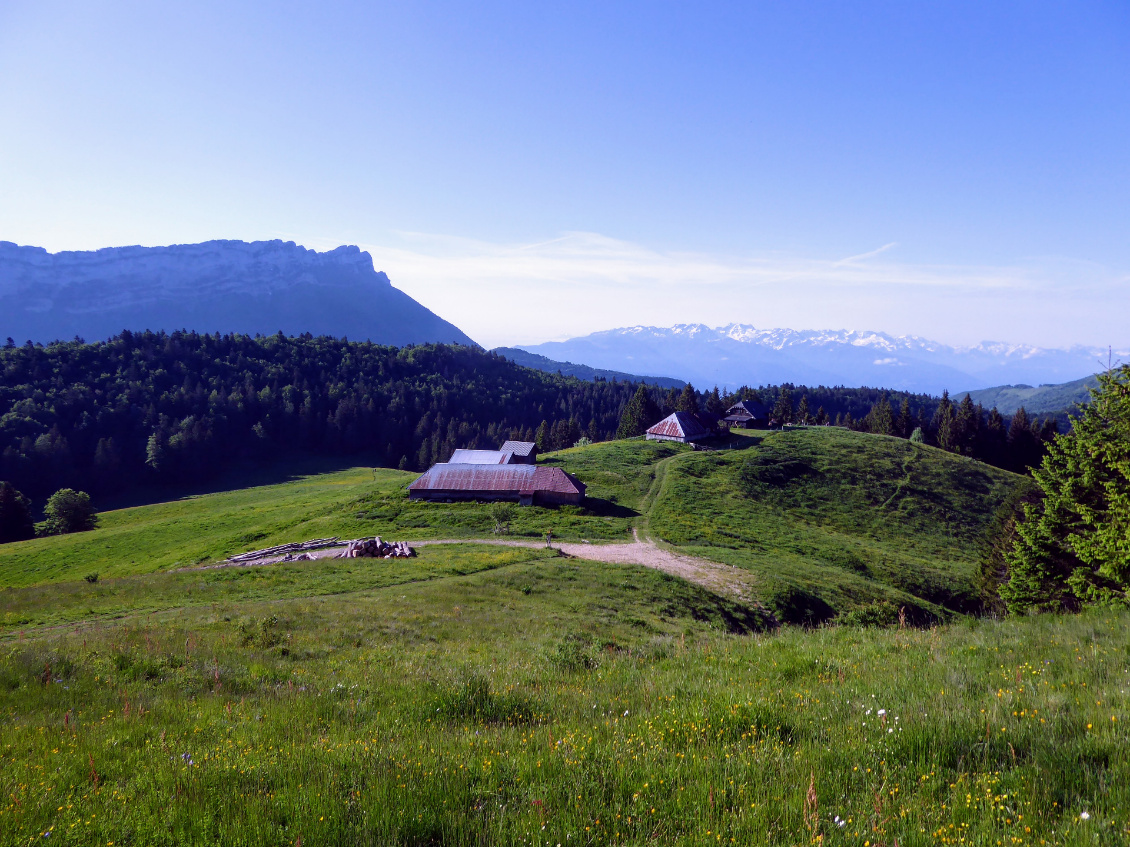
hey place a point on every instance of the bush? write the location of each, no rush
(502, 514)
(68, 511)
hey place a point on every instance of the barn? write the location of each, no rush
(527, 484)
(747, 414)
(683, 427)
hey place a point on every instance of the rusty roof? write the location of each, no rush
(519, 448)
(517, 478)
(680, 425)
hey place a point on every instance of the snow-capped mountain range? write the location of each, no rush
(229, 286)
(741, 354)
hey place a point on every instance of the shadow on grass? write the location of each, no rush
(244, 475)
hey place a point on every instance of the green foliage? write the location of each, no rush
(149, 409)
(16, 522)
(1072, 546)
(69, 511)
(502, 514)
(640, 413)
(917, 437)
(877, 614)
(92, 578)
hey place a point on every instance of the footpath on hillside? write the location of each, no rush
(721, 579)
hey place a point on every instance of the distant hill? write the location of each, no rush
(541, 363)
(739, 354)
(1040, 400)
(226, 286)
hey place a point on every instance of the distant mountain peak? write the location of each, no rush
(737, 354)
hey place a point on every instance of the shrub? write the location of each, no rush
(502, 514)
(68, 511)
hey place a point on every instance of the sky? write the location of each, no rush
(535, 171)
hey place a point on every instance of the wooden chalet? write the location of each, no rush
(747, 414)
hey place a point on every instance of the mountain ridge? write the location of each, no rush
(735, 354)
(226, 285)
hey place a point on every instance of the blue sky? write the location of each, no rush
(534, 171)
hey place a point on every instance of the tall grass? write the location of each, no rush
(561, 702)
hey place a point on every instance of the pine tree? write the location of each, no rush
(783, 408)
(1071, 547)
(16, 522)
(802, 414)
(714, 407)
(944, 430)
(688, 400)
(881, 422)
(965, 426)
(541, 438)
(821, 417)
(903, 426)
(640, 413)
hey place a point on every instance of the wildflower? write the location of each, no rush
(881, 712)
(1084, 816)
(839, 821)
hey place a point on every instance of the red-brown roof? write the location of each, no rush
(496, 478)
(680, 425)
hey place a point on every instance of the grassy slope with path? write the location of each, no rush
(510, 696)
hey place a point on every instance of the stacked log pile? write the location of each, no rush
(287, 550)
(375, 548)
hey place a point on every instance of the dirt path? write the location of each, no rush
(645, 552)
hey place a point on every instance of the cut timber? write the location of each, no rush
(375, 548)
(281, 549)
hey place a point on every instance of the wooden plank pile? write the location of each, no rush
(375, 548)
(286, 549)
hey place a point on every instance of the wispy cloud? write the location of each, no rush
(581, 282)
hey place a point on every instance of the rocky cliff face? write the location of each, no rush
(226, 286)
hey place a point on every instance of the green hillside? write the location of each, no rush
(513, 695)
(824, 520)
(1036, 400)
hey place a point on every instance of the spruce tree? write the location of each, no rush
(16, 522)
(1071, 547)
(783, 408)
(944, 428)
(903, 423)
(880, 415)
(688, 400)
(802, 414)
(640, 413)
(714, 407)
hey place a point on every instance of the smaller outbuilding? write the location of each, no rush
(481, 457)
(523, 452)
(747, 414)
(684, 427)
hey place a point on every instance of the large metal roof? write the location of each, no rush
(479, 457)
(680, 425)
(497, 478)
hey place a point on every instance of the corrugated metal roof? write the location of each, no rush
(519, 448)
(479, 457)
(680, 425)
(496, 478)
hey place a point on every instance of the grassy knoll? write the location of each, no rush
(829, 520)
(560, 702)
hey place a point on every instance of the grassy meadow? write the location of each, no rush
(498, 695)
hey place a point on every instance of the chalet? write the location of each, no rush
(527, 484)
(523, 452)
(747, 414)
(684, 427)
